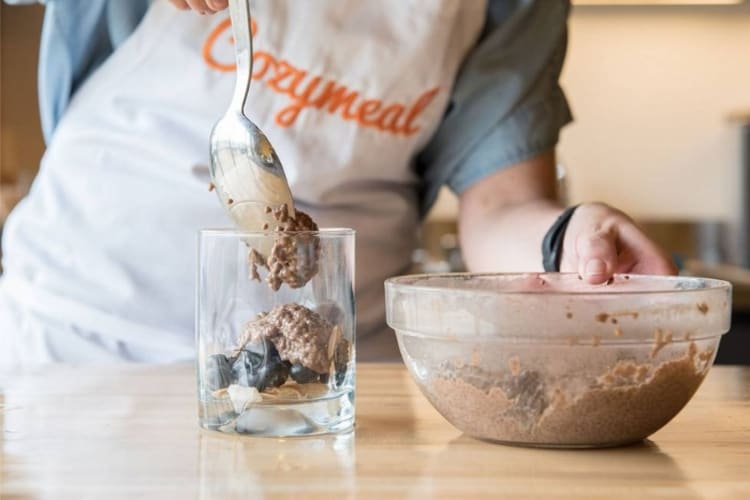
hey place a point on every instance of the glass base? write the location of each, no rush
(333, 414)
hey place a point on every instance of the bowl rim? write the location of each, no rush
(400, 282)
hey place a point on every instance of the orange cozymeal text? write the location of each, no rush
(316, 92)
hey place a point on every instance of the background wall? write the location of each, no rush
(651, 89)
(21, 143)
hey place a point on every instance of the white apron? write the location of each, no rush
(100, 257)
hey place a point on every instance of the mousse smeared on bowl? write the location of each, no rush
(547, 360)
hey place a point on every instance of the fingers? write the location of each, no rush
(198, 6)
(648, 258)
(601, 241)
(217, 5)
(597, 255)
(201, 6)
(180, 4)
(590, 244)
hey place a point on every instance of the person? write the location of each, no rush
(372, 107)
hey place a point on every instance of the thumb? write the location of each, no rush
(597, 255)
(217, 5)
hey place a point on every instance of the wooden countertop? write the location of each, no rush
(119, 432)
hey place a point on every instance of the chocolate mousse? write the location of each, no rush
(293, 259)
(626, 403)
(301, 336)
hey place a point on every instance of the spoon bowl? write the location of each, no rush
(244, 167)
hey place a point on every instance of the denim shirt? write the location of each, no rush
(506, 106)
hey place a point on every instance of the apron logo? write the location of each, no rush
(310, 91)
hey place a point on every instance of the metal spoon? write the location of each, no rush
(244, 167)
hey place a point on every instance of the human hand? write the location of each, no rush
(601, 241)
(201, 6)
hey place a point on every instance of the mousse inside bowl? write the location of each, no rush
(548, 360)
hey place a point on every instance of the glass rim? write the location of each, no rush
(230, 232)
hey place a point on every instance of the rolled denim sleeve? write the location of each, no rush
(507, 105)
(77, 36)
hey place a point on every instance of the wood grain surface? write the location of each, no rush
(131, 432)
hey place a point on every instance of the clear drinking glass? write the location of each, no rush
(276, 345)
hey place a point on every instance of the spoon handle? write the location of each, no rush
(239, 13)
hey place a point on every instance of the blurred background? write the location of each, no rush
(660, 91)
